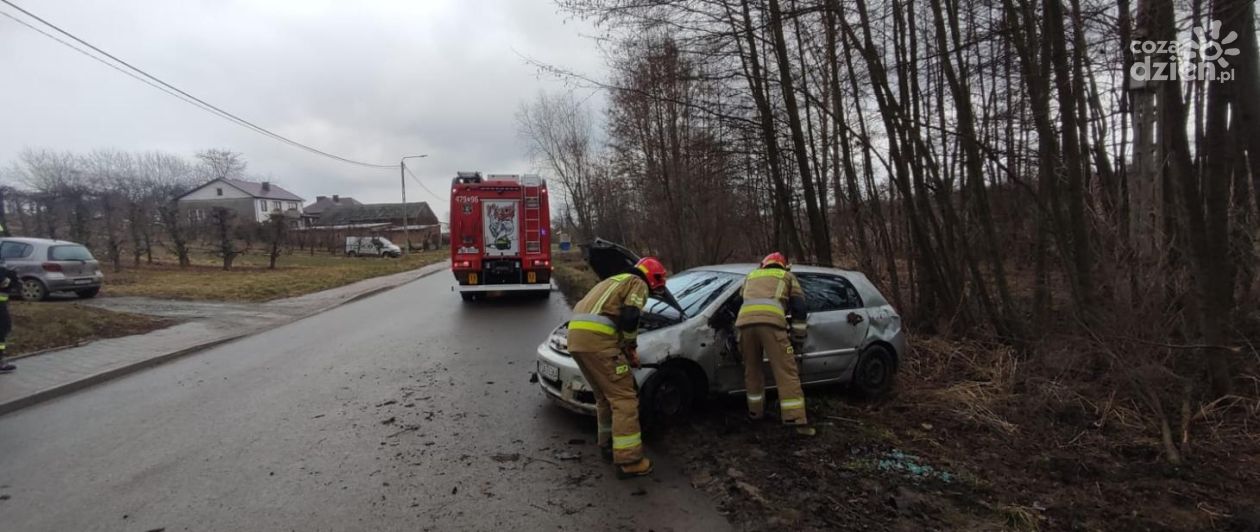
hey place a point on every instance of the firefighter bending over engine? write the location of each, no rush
(602, 340)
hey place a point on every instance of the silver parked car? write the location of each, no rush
(855, 337)
(47, 266)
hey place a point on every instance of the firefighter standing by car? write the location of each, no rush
(602, 340)
(771, 293)
(8, 283)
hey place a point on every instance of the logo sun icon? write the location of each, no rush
(1210, 45)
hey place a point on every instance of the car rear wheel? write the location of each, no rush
(873, 376)
(668, 397)
(33, 290)
(88, 293)
(351, 254)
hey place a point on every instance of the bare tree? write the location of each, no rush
(558, 132)
(275, 233)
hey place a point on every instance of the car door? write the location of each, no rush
(15, 256)
(837, 326)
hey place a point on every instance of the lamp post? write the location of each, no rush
(402, 174)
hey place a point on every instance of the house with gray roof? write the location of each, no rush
(250, 200)
(312, 212)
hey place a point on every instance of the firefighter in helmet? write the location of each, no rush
(602, 340)
(771, 295)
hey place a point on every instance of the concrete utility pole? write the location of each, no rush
(402, 174)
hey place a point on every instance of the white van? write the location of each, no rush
(371, 246)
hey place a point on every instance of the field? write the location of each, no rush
(250, 281)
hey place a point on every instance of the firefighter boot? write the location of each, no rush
(641, 468)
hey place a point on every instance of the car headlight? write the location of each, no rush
(559, 340)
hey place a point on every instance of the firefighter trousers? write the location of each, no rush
(756, 339)
(616, 402)
(6, 326)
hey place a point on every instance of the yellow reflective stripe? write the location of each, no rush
(603, 428)
(4, 297)
(767, 272)
(791, 404)
(616, 281)
(773, 309)
(627, 442)
(778, 290)
(578, 325)
(622, 369)
(755, 398)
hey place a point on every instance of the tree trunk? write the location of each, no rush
(817, 225)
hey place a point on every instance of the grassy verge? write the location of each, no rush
(573, 276)
(47, 325)
(964, 443)
(250, 280)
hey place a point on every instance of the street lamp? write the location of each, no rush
(402, 173)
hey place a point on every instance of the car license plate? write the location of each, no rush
(548, 371)
(532, 276)
(82, 281)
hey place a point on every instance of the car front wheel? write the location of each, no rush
(33, 290)
(873, 376)
(668, 397)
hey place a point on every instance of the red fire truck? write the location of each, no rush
(500, 237)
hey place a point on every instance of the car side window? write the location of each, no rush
(13, 250)
(825, 293)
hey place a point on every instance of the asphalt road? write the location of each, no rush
(407, 410)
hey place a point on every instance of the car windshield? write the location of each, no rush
(695, 290)
(75, 252)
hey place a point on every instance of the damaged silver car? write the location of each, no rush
(688, 345)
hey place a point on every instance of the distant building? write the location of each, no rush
(312, 212)
(382, 219)
(250, 200)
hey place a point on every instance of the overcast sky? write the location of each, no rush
(371, 80)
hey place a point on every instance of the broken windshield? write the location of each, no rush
(695, 291)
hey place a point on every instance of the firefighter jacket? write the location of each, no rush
(769, 295)
(608, 317)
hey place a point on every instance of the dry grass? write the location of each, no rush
(52, 324)
(573, 276)
(250, 280)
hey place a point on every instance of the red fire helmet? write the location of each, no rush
(654, 271)
(776, 258)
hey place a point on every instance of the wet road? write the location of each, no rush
(408, 410)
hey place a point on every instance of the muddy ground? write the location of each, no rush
(969, 452)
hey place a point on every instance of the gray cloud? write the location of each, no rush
(367, 80)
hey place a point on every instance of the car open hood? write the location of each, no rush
(608, 258)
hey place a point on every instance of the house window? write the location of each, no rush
(262, 206)
(218, 191)
(275, 206)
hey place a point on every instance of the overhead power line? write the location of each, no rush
(418, 182)
(173, 90)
